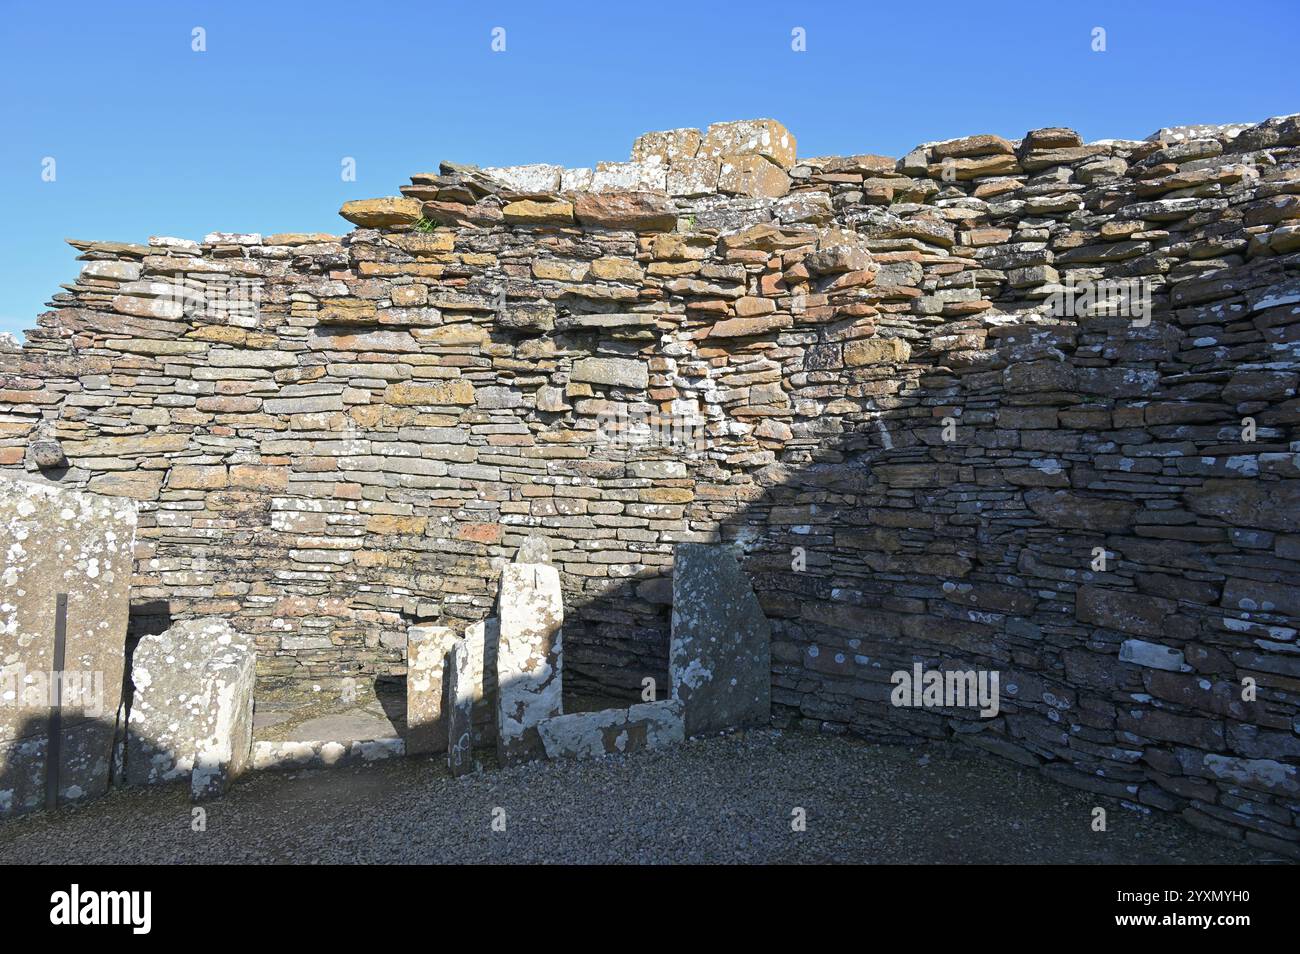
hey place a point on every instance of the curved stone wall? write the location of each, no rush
(1025, 406)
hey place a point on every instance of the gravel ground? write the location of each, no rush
(724, 800)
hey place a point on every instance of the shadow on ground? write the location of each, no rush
(728, 799)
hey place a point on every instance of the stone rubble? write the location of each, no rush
(333, 438)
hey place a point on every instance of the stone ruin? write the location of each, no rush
(720, 669)
(1022, 405)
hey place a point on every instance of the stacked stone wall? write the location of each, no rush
(1021, 405)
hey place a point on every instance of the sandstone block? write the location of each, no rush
(460, 709)
(613, 372)
(862, 351)
(669, 145)
(539, 212)
(638, 211)
(538, 177)
(693, 177)
(640, 176)
(382, 213)
(746, 137)
(1151, 655)
(432, 393)
(752, 176)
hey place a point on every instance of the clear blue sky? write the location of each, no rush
(151, 138)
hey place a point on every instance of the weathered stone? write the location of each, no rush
(744, 327)
(1273, 505)
(750, 137)
(984, 145)
(460, 686)
(60, 545)
(1062, 508)
(613, 372)
(46, 454)
(539, 212)
(1123, 611)
(241, 358)
(427, 648)
(530, 609)
(693, 177)
(613, 731)
(538, 177)
(670, 145)
(136, 485)
(638, 211)
(191, 710)
(637, 176)
(534, 549)
(863, 351)
(752, 176)
(381, 213)
(719, 661)
(1151, 655)
(527, 316)
(432, 393)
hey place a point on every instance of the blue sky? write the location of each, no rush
(152, 138)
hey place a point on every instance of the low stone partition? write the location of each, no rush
(192, 707)
(647, 725)
(65, 571)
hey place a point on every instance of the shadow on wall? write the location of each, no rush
(1072, 509)
(89, 757)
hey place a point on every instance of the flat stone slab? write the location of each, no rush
(354, 725)
(192, 707)
(530, 608)
(323, 753)
(647, 725)
(719, 656)
(52, 542)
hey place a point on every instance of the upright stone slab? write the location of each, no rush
(460, 708)
(483, 642)
(719, 657)
(427, 648)
(529, 657)
(192, 707)
(55, 541)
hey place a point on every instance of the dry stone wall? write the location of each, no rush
(1025, 406)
